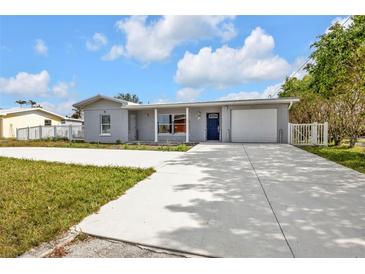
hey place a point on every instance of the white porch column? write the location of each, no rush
(156, 125)
(187, 125)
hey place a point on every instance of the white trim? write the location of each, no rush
(156, 125)
(287, 100)
(4, 112)
(187, 125)
(101, 125)
(98, 97)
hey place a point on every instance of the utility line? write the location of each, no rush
(305, 62)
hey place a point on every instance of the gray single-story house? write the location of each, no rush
(110, 120)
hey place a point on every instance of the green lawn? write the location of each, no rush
(62, 143)
(350, 157)
(39, 200)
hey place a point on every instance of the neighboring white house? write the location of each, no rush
(72, 121)
(14, 118)
(109, 120)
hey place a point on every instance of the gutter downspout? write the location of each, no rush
(290, 105)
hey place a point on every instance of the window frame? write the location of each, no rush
(104, 124)
(172, 124)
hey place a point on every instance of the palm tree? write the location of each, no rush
(76, 113)
(21, 102)
(32, 103)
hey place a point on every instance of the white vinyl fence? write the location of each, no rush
(308, 134)
(70, 132)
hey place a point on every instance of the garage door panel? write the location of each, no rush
(254, 125)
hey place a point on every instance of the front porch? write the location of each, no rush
(163, 126)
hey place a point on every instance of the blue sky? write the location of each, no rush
(58, 60)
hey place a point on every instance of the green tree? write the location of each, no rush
(76, 113)
(128, 97)
(334, 87)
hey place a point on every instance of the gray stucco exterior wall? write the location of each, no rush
(118, 117)
(198, 126)
(145, 122)
(145, 125)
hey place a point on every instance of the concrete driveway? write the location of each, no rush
(235, 200)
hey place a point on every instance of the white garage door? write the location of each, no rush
(254, 125)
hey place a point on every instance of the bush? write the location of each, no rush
(182, 147)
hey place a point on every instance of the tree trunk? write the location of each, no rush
(337, 140)
(353, 140)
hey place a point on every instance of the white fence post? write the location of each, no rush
(314, 133)
(325, 133)
(70, 132)
(40, 132)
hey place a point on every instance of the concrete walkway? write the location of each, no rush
(234, 200)
(86, 156)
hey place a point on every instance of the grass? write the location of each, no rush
(79, 144)
(39, 200)
(350, 157)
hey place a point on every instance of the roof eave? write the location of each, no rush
(95, 98)
(32, 109)
(217, 103)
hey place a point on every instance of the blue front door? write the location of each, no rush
(212, 126)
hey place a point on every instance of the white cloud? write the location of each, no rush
(26, 84)
(114, 53)
(226, 66)
(187, 94)
(96, 42)
(63, 108)
(162, 101)
(61, 89)
(40, 47)
(269, 92)
(154, 41)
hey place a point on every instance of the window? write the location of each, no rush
(48, 122)
(105, 125)
(164, 123)
(213, 116)
(179, 123)
(171, 123)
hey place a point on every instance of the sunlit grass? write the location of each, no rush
(350, 157)
(39, 200)
(78, 144)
